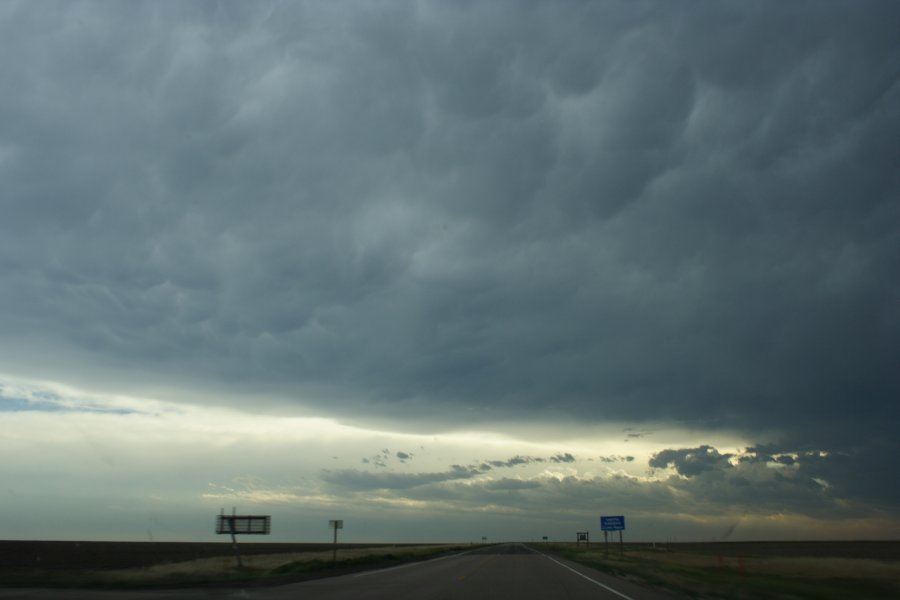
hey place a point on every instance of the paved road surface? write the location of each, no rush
(508, 571)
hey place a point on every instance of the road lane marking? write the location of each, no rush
(421, 562)
(605, 587)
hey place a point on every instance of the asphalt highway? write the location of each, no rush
(507, 571)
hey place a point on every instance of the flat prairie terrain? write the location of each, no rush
(138, 564)
(121, 555)
(723, 570)
(754, 570)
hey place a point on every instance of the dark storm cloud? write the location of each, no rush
(704, 481)
(433, 211)
(525, 460)
(361, 480)
(379, 460)
(691, 461)
(859, 474)
(515, 461)
(562, 458)
(615, 458)
(811, 481)
(716, 493)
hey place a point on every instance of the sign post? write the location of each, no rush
(235, 524)
(613, 524)
(335, 524)
(583, 536)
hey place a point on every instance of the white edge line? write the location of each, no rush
(605, 587)
(421, 562)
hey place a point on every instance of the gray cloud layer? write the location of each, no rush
(702, 481)
(440, 211)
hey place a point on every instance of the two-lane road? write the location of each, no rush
(507, 571)
(511, 571)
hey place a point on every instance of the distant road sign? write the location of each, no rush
(244, 524)
(612, 523)
(336, 524)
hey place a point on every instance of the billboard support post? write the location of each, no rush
(335, 524)
(608, 524)
(237, 552)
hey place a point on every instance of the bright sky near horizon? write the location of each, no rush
(447, 270)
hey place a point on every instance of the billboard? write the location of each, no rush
(244, 524)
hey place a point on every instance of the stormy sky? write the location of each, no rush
(449, 270)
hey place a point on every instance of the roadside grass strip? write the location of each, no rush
(594, 581)
(747, 572)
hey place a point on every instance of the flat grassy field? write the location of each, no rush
(752, 570)
(725, 570)
(161, 564)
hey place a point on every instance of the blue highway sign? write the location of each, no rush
(612, 523)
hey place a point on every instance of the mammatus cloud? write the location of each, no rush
(428, 180)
